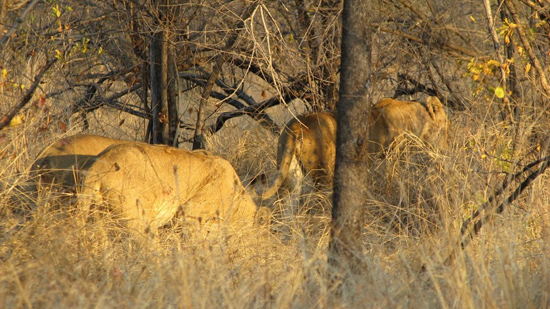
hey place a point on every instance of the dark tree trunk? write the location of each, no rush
(350, 179)
(163, 77)
(172, 97)
(159, 104)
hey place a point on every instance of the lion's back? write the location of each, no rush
(149, 183)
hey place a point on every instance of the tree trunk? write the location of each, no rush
(351, 171)
(159, 104)
(172, 97)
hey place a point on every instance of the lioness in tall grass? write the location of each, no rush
(307, 145)
(390, 119)
(145, 185)
(207, 184)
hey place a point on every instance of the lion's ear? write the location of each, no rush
(434, 106)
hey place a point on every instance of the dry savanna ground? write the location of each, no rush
(53, 256)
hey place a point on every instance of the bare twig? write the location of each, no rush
(198, 140)
(460, 52)
(200, 79)
(527, 46)
(18, 22)
(28, 95)
(257, 70)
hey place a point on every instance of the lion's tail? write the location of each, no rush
(284, 159)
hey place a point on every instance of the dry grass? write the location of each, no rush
(53, 256)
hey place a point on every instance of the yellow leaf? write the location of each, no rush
(58, 54)
(527, 68)
(56, 11)
(5, 73)
(472, 18)
(499, 92)
(493, 63)
(17, 120)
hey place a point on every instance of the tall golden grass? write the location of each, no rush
(53, 256)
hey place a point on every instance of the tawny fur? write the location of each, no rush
(311, 139)
(60, 163)
(145, 185)
(390, 118)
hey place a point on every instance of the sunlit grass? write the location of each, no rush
(52, 255)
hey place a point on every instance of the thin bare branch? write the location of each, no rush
(28, 95)
(527, 46)
(18, 22)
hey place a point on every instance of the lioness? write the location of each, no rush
(146, 184)
(308, 143)
(390, 118)
(60, 163)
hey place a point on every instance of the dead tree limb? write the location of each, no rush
(28, 95)
(256, 112)
(471, 227)
(198, 138)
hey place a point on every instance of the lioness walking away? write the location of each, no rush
(307, 145)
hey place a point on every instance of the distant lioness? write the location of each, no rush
(60, 163)
(146, 184)
(390, 118)
(308, 143)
